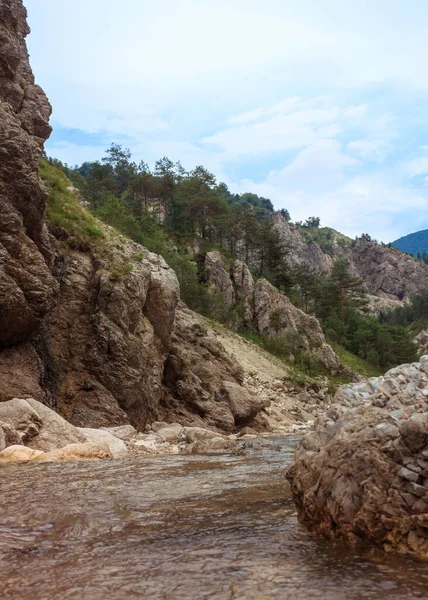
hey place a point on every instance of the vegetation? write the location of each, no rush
(413, 315)
(415, 244)
(326, 238)
(338, 301)
(167, 209)
(63, 208)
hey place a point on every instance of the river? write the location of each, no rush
(177, 527)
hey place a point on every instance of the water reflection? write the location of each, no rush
(178, 527)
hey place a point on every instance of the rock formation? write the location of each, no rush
(267, 311)
(299, 251)
(386, 272)
(95, 333)
(26, 284)
(363, 473)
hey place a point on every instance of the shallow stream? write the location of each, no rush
(178, 527)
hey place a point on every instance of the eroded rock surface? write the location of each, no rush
(386, 272)
(26, 284)
(363, 473)
(269, 312)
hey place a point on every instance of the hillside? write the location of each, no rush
(414, 243)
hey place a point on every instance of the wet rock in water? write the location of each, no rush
(117, 447)
(19, 453)
(75, 452)
(362, 474)
(215, 444)
(196, 434)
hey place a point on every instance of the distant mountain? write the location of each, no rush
(413, 243)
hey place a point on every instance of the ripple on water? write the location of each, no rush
(178, 527)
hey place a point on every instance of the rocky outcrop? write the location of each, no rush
(387, 272)
(106, 340)
(264, 309)
(217, 277)
(197, 371)
(300, 252)
(26, 284)
(277, 317)
(243, 283)
(363, 473)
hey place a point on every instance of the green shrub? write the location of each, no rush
(64, 210)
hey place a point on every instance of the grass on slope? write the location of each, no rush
(63, 208)
(356, 363)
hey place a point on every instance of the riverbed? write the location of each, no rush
(175, 527)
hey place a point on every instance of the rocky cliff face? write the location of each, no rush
(98, 334)
(386, 272)
(267, 311)
(363, 473)
(299, 251)
(26, 284)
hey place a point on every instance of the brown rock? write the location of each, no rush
(359, 474)
(19, 453)
(77, 452)
(218, 277)
(243, 405)
(26, 285)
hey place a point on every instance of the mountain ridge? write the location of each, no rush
(415, 243)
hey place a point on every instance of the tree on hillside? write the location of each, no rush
(346, 289)
(119, 159)
(285, 214)
(165, 183)
(312, 222)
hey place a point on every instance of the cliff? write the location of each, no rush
(91, 326)
(386, 272)
(26, 284)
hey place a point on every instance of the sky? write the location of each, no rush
(319, 105)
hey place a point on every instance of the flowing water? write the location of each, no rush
(178, 527)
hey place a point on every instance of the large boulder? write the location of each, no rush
(363, 473)
(38, 426)
(116, 446)
(243, 405)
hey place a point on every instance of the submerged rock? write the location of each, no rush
(363, 473)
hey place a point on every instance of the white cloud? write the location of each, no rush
(277, 129)
(417, 166)
(378, 205)
(243, 83)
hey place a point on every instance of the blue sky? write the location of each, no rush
(320, 105)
